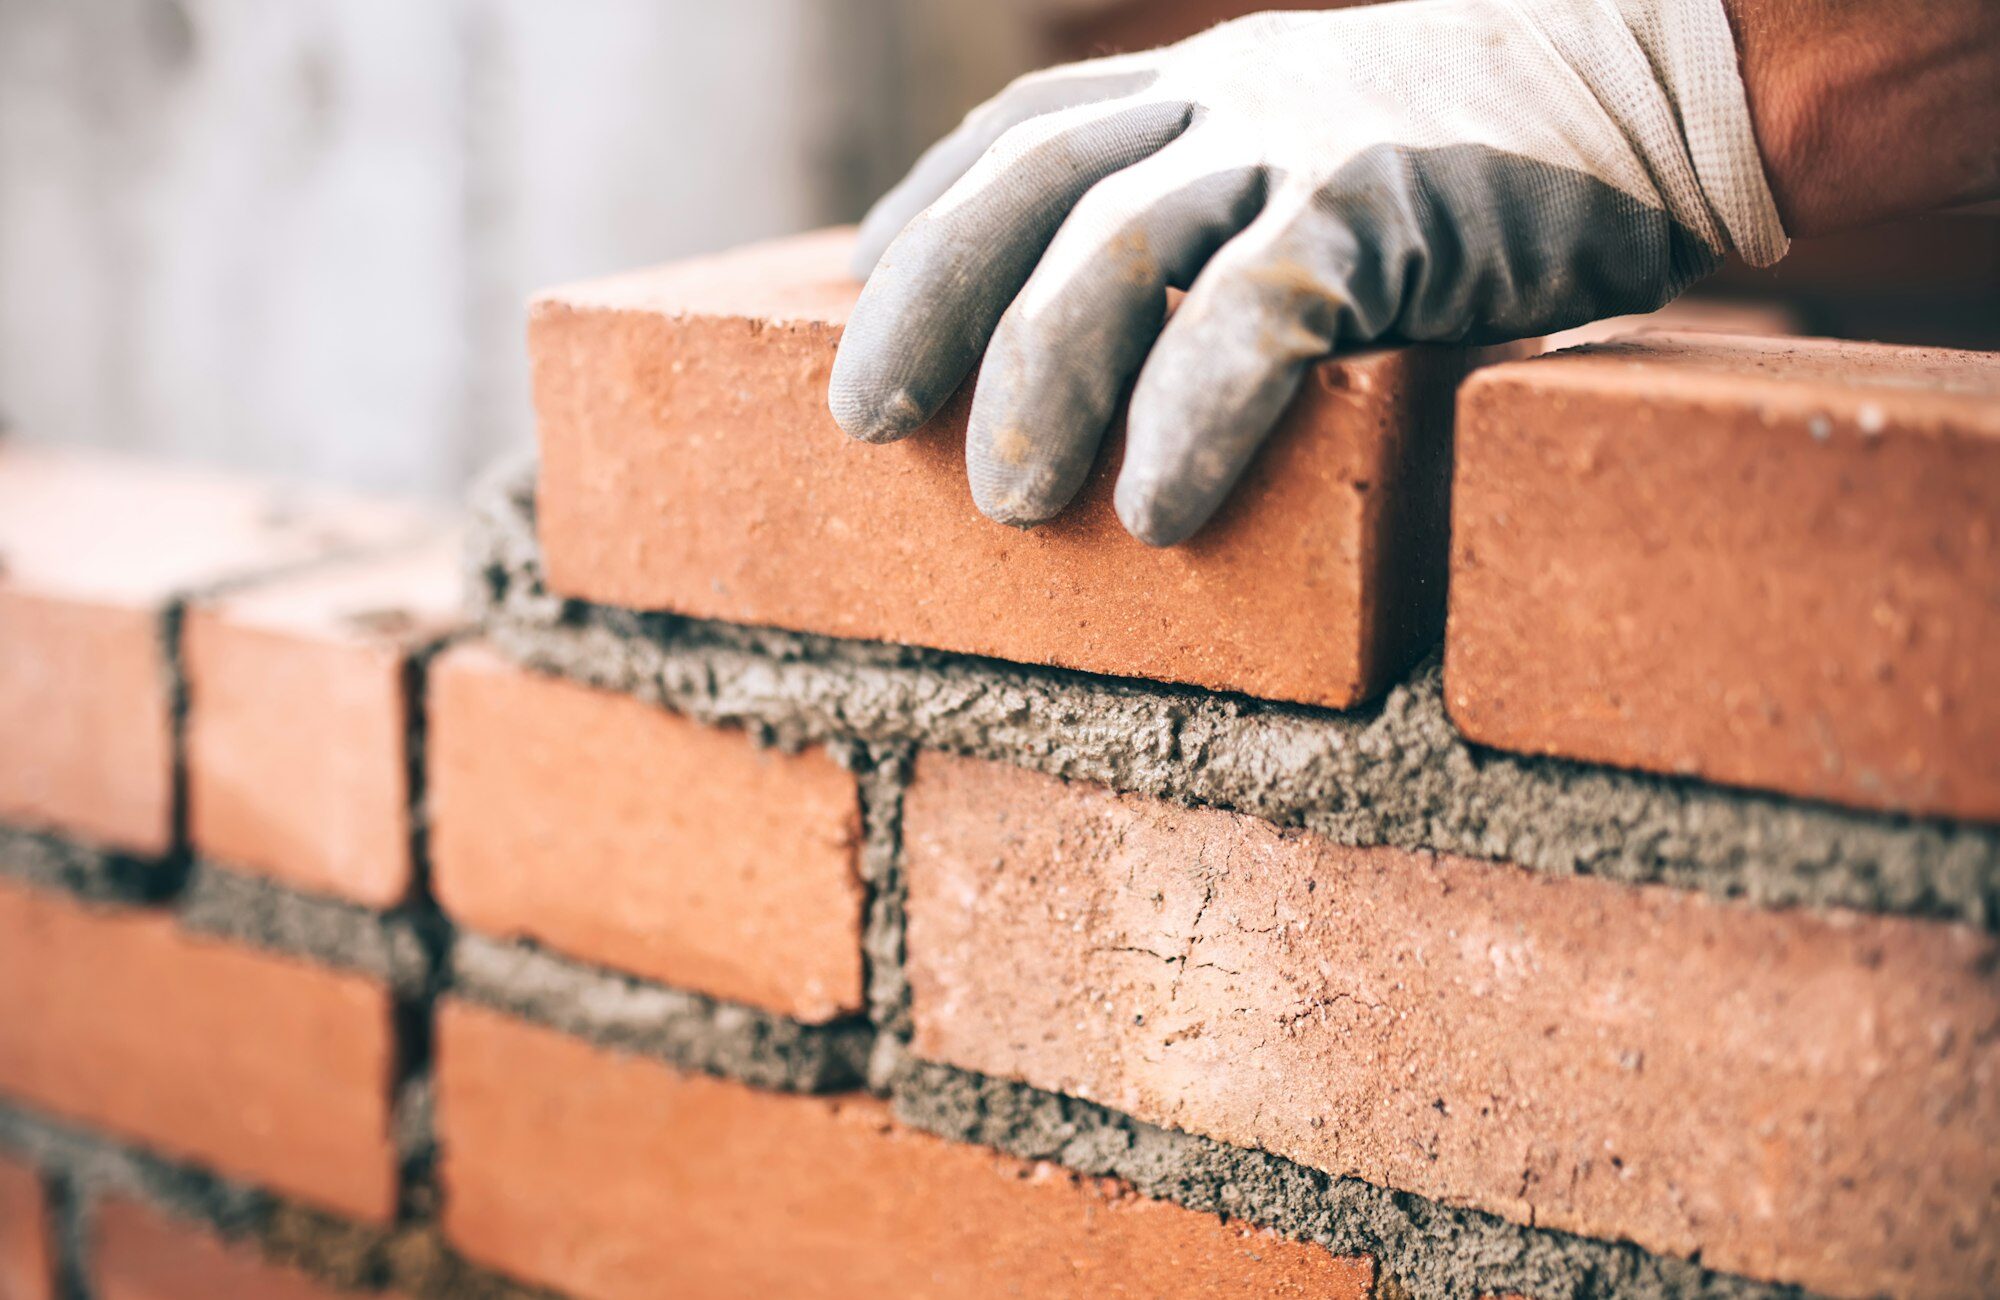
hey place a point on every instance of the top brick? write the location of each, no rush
(1767, 562)
(93, 551)
(689, 464)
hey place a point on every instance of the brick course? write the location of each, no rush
(1613, 1060)
(1771, 563)
(689, 463)
(298, 720)
(645, 1179)
(258, 1066)
(634, 839)
(138, 1253)
(93, 549)
(27, 1267)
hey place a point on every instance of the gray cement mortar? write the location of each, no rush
(1395, 774)
(683, 1029)
(96, 875)
(882, 779)
(1421, 1248)
(331, 932)
(409, 1258)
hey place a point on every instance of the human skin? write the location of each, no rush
(1870, 109)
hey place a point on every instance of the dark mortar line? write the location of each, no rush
(1393, 774)
(68, 1232)
(321, 929)
(409, 1258)
(416, 1137)
(1427, 1248)
(93, 1164)
(91, 874)
(689, 1031)
(173, 668)
(880, 785)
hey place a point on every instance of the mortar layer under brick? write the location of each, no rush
(1398, 774)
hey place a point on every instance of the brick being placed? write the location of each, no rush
(300, 712)
(253, 1065)
(1796, 1096)
(612, 1177)
(1763, 562)
(630, 838)
(95, 553)
(689, 463)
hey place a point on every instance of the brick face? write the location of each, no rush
(139, 1254)
(86, 739)
(1772, 563)
(689, 463)
(260, 1067)
(92, 549)
(298, 719)
(1614, 1060)
(632, 838)
(647, 1180)
(27, 1268)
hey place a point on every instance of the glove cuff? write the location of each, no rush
(1666, 71)
(1693, 53)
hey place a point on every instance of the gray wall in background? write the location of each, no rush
(295, 236)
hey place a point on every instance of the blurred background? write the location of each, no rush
(296, 236)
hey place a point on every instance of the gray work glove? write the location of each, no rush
(1432, 170)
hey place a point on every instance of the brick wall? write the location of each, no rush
(657, 882)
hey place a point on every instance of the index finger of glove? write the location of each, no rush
(926, 313)
(940, 166)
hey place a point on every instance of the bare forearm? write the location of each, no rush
(1869, 109)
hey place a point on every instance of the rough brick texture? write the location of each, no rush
(1772, 563)
(299, 717)
(257, 1066)
(1797, 1096)
(616, 1177)
(92, 550)
(629, 837)
(27, 1265)
(139, 1254)
(689, 463)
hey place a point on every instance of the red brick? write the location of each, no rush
(260, 1067)
(92, 548)
(633, 838)
(689, 463)
(298, 720)
(140, 1254)
(27, 1265)
(1689, 315)
(613, 1177)
(1772, 563)
(1792, 1095)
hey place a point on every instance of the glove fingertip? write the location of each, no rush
(889, 418)
(1150, 515)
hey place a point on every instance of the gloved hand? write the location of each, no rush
(1428, 170)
